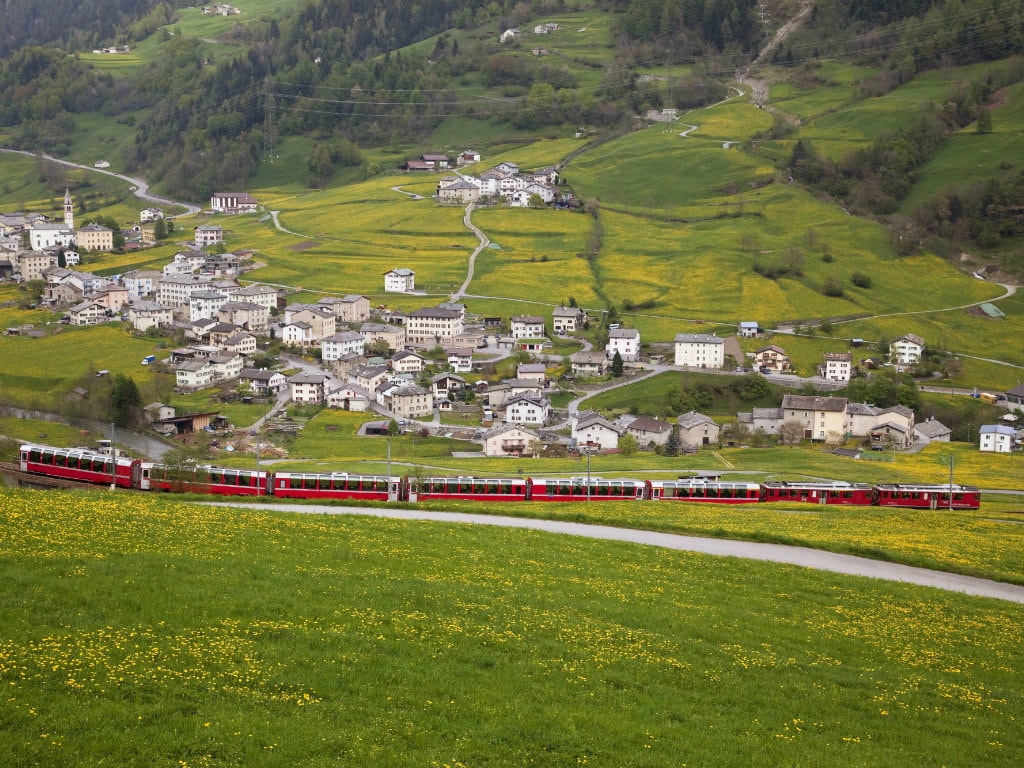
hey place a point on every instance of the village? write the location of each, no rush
(418, 367)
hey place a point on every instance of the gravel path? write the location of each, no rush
(774, 553)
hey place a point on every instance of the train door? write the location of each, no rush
(395, 487)
(933, 500)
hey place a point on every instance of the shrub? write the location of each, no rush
(861, 280)
(832, 287)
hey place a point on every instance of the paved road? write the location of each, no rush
(484, 242)
(774, 553)
(141, 187)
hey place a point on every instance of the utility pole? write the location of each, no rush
(113, 460)
(951, 482)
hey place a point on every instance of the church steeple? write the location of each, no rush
(69, 209)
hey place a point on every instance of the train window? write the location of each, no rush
(294, 481)
(564, 489)
(551, 487)
(492, 486)
(505, 486)
(381, 484)
(309, 482)
(465, 486)
(479, 486)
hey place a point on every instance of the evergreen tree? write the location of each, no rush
(672, 445)
(125, 401)
(617, 366)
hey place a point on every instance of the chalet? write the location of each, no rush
(467, 157)
(261, 381)
(445, 384)
(527, 409)
(509, 440)
(436, 160)
(907, 349)
(772, 358)
(88, 313)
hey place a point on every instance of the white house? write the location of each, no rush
(749, 329)
(907, 349)
(144, 315)
(997, 438)
(205, 304)
(567, 319)
(625, 341)
(509, 36)
(509, 440)
(150, 214)
(400, 280)
(308, 387)
(193, 374)
(699, 350)
(262, 381)
(837, 366)
(407, 362)
(648, 431)
(589, 363)
(340, 344)
(208, 234)
(592, 430)
(527, 327)
(527, 409)
(460, 359)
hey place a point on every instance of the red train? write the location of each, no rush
(91, 467)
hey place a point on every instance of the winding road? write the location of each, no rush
(803, 557)
(139, 186)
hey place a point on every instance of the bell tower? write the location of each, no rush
(69, 210)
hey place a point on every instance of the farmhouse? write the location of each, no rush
(88, 313)
(349, 397)
(699, 350)
(407, 362)
(649, 432)
(819, 416)
(697, 429)
(460, 359)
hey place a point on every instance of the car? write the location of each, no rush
(877, 447)
(765, 370)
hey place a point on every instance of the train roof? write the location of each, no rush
(928, 488)
(832, 485)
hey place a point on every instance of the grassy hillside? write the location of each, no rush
(264, 639)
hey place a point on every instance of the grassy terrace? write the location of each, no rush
(216, 637)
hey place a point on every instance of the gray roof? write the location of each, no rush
(766, 413)
(698, 338)
(647, 424)
(813, 403)
(932, 429)
(693, 419)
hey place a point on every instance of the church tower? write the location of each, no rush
(69, 210)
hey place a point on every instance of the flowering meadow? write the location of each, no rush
(142, 631)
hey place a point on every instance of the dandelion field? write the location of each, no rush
(143, 632)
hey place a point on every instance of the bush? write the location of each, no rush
(832, 287)
(860, 280)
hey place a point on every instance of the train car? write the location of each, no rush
(78, 464)
(927, 496)
(473, 488)
(705, 491)
(829, 492)
(215, 481)
(335, 485)
(578, 489)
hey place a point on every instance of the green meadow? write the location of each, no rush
(198, 636)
